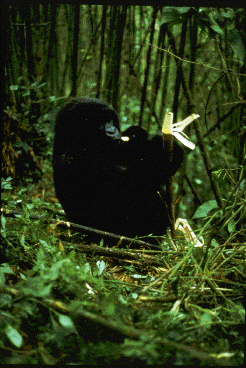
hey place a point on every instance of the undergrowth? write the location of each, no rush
(62, 303)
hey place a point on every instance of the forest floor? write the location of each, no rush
(75, 298)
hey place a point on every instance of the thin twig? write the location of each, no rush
(193, 62)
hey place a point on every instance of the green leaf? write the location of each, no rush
(173, 14)
(214, 243)
(66, 321)
(4, 269)
(108, 304)
(14, 88)
(13, 336)
(22, 239)
(236, 43)
(101, 266)
(231, 226)
(216, 28)
(206, 21)
(4, 196)
(3, 222)
(204, 209)
(86, 268)
(35, 287)
(183, 9)
(206, 319)
(55, 270)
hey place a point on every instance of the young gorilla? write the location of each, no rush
(103, 181)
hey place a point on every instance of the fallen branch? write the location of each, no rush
(131, 332)
(95, 235)
(121, 254)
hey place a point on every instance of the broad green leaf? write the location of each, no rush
(206, 318)
(236, 43)
(35, 287)
(66, 321)
(55, 270)
(216, 28)
(13, 336)
(173, 14)
(204, 209)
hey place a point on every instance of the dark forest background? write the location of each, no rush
(144, 60)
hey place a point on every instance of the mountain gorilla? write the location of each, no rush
(105, 180)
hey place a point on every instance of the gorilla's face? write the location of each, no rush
(111, 131)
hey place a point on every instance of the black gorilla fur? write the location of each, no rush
(103, 181)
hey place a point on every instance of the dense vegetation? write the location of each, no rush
(65, 297)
